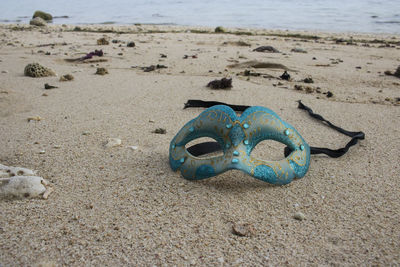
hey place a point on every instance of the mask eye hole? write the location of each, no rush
(269, 150)
(204, 147)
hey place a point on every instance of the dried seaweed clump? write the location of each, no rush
(36, 70)
(224, 83)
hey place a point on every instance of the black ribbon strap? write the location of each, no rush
(207, 104)
(355, 136)
(209, 147)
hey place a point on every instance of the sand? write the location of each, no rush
(123, 205)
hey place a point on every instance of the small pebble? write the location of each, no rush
(299, 216)
(133, 147)
(42, 152)
(113, 142)
(131, 44)
(48, 86)
(160, 131)
(102, 41)
(243, 229)
(35, 118)
(101, 71)
(66, 77)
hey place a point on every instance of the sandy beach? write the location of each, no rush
(122, 205)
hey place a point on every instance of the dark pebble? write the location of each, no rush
(285, 76)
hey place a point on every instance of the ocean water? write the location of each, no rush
(322, 15)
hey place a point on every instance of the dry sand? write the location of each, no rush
(120, 206)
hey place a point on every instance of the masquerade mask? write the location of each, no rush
(237, 136)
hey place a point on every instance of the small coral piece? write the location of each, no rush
(266, 48)
(36, 70)
(102, 41)
(38, 22)
(102, 71)
(66, 77)
(16, 182)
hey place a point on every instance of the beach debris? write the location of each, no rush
(17, 182)
(308, 80)
(251, 73)
(101, 71)
(163, 55)
(113, 142)
(192, 56)
(52, 44)
(34, 118)
(237, 43)
(36, 70)
(133, 147)
(153, 67)
(256, 74)
(396, 73)
(66, 77)
(43, 15)
(48, 86)
(258, 65)
(131, 44)
(86, 133)
(299, 216)
(298, 50)
(160, 131)
(219, 29)
(102, 41)
(285, 76)
(224, 83)
(243, 229)
(38, 22)
(323, 65)
(329, 94)
(96, 52)
(307, 89)
(266, 49)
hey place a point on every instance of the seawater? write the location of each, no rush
(368, 16)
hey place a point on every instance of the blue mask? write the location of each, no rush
(238, 136)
